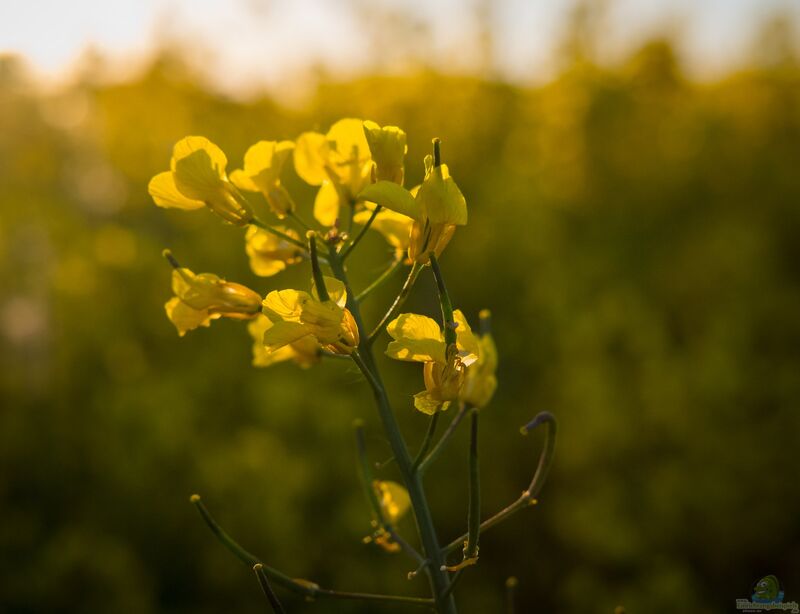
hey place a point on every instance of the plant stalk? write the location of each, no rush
(439, 580)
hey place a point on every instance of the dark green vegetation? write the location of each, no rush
(636, 236)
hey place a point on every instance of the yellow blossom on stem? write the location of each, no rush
(420, 339)
(197, 179)
(436, 207)
(305, 352)
(270, 254)
(296, 315)
(263, 164)
(393, 503)
(201, 298)
(388, 147)
(480, 380)
(392, 498)
(339, 162)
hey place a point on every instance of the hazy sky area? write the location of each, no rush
(246, 44)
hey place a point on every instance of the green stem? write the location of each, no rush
(422, 513)
(454, 581)
(272, 598)
(384, 277)
(361, 233)
(258, 223)
(316, 270)
(448, 323)
(426, 443)
(300, 587)
(474, 511)
(444, 439)
(438, 578)
(528, 497)
(413, 274)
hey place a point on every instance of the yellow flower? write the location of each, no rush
(304, 352)
(436, 208)
(394, 502)
(388, 148)
(196, 179)
(296, 315)
(270, 254)
(339, 162)
(395, 228)
(392, 498)
(420, 339)
(480, 380)
(201, 298)
(263, 164)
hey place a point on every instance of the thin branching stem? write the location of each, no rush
(426, 443)
(444, 439)
(398, 303)
(448, 323)
(316, 270)
(348, 250)
(282, 235)
(474, 511)
(395, 266)
(454, 581)
(427, 532)
(422, 513)
(528, 496)
(272, 598)
(300, 587)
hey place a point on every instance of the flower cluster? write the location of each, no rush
(359, 170)
(359, 167)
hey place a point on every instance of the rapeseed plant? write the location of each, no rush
(360, 170)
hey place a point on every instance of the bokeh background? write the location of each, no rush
(633, 178)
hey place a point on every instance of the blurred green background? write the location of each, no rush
(635, 232)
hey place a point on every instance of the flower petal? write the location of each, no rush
(165, 194)
(393, 499)
(265, 160)
(469, 347)
(440, 198)
(186, 318)
(268, 253)
(242, 181)
(326, 204)
(335, 288)
(427, 403)
(197, 178)
(191, 144)
(282, 333)
(392, 196)
(347, 137)
(284, 305)
(417, 338)
(388, 147)
(310, 157)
